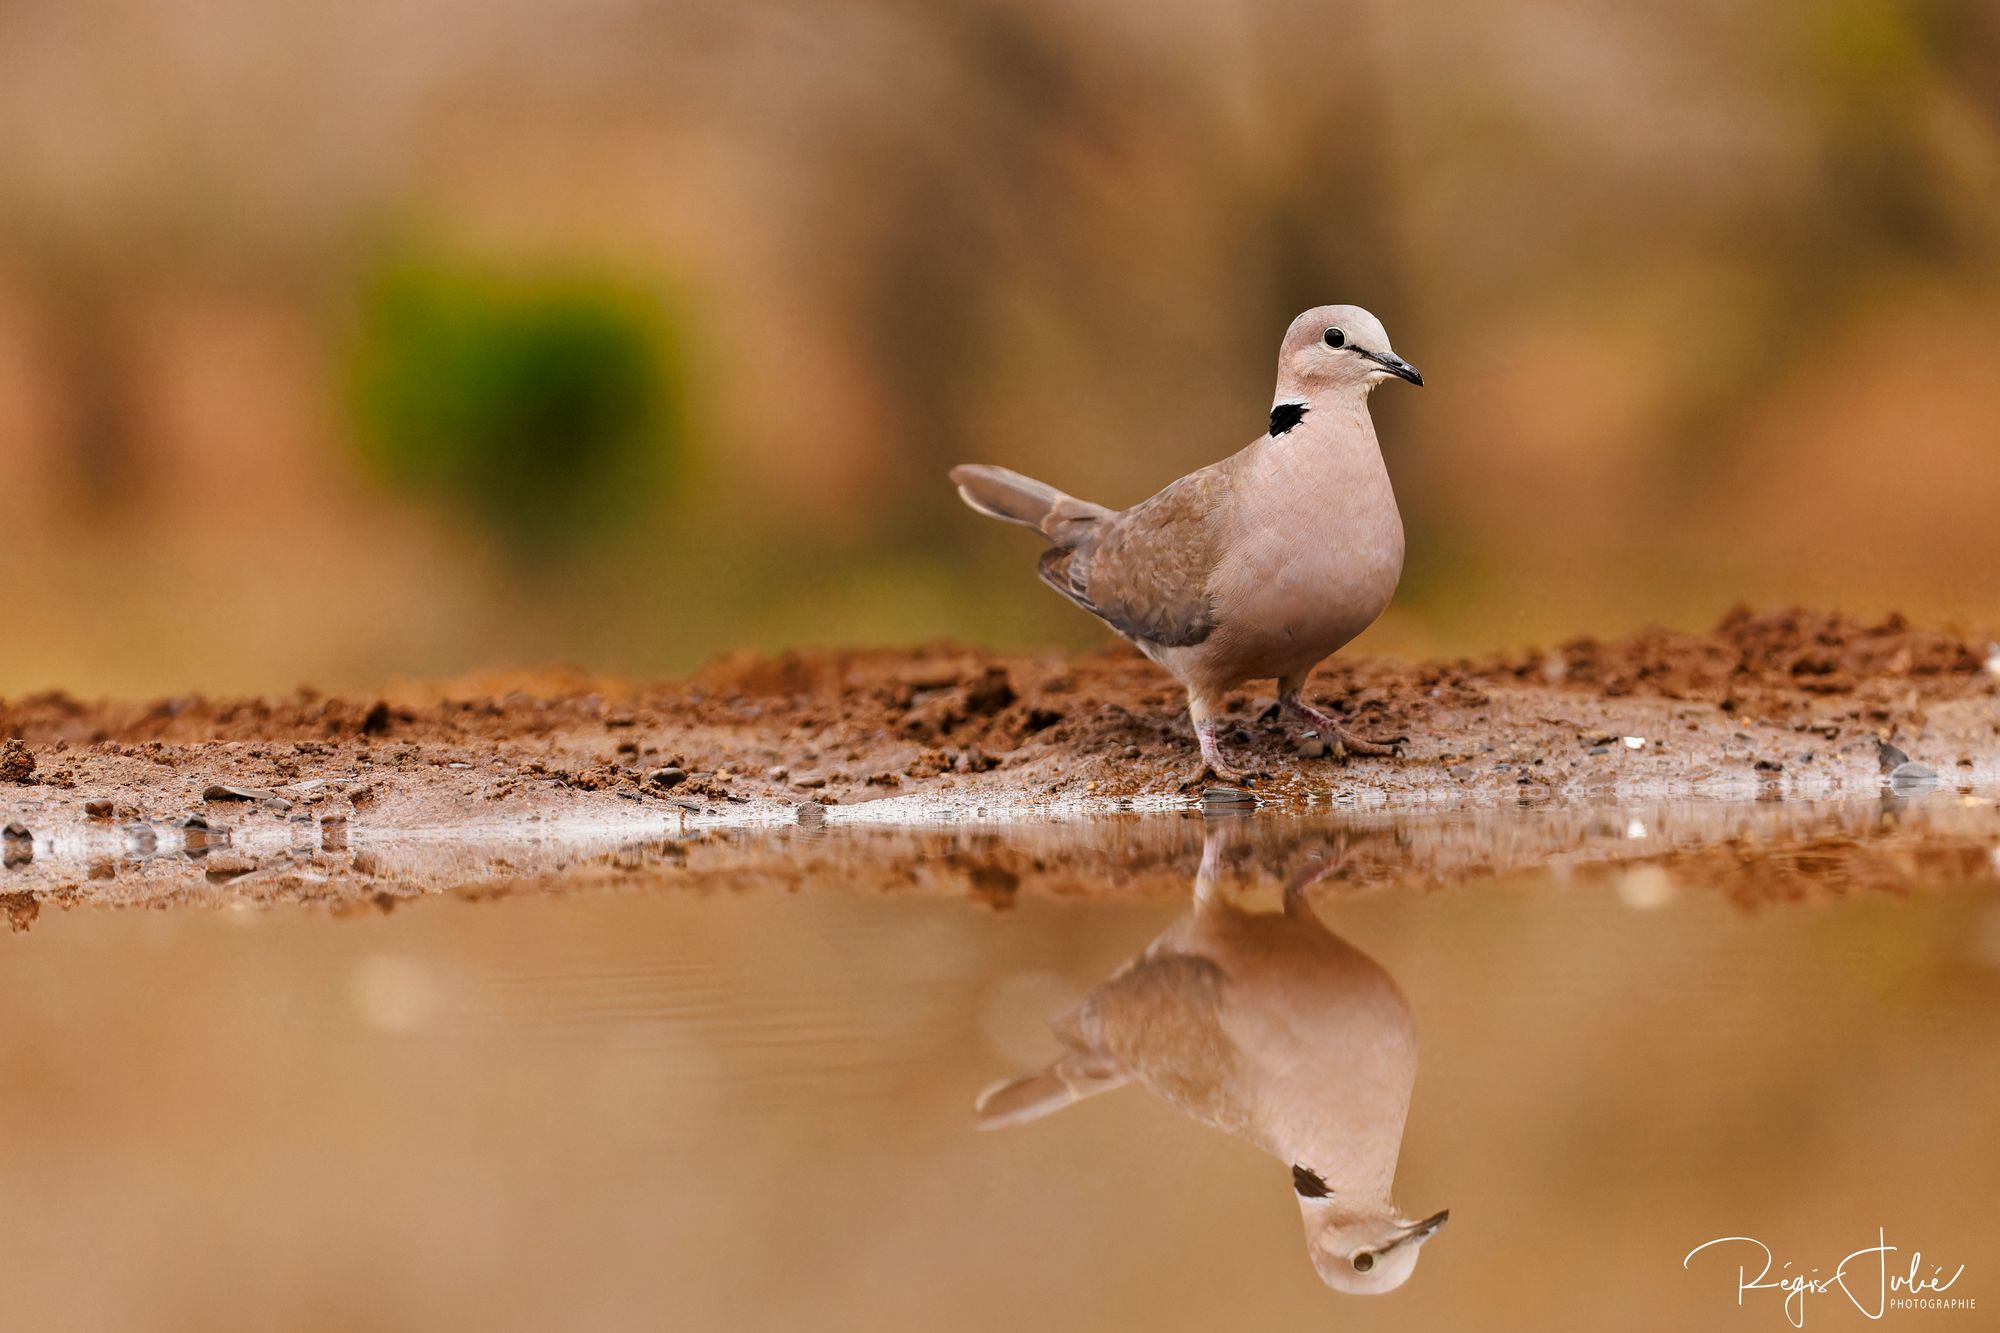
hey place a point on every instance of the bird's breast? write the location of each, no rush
(1318, 558)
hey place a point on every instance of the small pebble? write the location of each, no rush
(17, 762)
(97, 809)
(1911, 775)
(666, 779)
(220, 791)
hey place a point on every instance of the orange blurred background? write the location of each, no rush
(304, 315)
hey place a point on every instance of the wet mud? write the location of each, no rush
(989, 765)
(1795, 701)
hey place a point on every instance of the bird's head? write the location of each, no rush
(1338, 347)
(1365, 1252)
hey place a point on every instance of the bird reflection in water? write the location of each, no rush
(1270, 1027)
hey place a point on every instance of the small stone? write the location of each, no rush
(1911, 775)
(17, 845)
(97, 809)
(1129, 752)
(1889, 756)
(221, 791)
(809, 813)
(17, 762)
(666, 779)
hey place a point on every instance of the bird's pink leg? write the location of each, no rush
(1343, 741)
(1202, 712)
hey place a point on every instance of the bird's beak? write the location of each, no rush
(1425, 1229)
(1396, 366)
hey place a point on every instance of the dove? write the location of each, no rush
(1269, 1027)
(1257, 567)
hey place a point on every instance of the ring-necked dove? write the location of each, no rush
(1254, 568)
(1273, 1029)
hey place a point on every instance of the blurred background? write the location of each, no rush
(398, 337)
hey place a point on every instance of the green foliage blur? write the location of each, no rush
(542, 406)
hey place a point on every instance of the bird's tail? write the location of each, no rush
(1003, 494)
(1044, 1092)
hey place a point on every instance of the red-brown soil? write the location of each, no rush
(1792, 703)
(1792, 699)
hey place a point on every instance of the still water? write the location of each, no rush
(1488, 1071)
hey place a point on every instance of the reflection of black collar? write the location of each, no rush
(1308, 1183)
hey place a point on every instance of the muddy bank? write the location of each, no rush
(510, 778)
(1792, 702)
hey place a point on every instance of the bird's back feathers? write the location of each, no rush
(1144, 570)
(1147, 571)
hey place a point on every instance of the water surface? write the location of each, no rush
(730, 1082)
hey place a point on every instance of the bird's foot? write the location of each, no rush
(1214, 765)
(1339, 739)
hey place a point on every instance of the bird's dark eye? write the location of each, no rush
(1334, 338)
(1363, 1261)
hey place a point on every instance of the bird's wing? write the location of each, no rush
(1146, 572)
(1159, 1019)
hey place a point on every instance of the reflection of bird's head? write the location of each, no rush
(1365, 1250)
